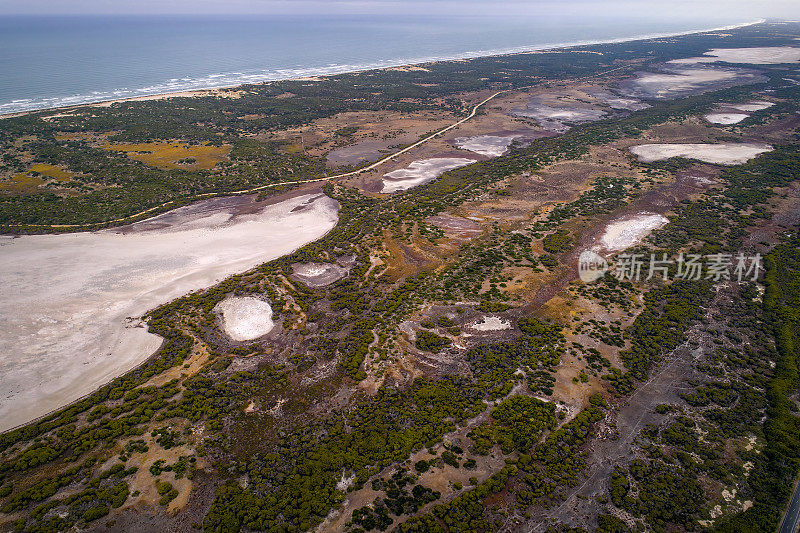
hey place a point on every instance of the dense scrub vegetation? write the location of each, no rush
(777, 468)
(745, 379)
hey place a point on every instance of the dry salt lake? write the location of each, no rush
(70, 307)
(718, 153)
(420, 172)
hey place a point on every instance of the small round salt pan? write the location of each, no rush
(318, 274)
(313, 270)
(623, 234)
(245, 318)
(491, 323)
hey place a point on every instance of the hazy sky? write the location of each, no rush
(682, 9)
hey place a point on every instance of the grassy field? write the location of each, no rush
(22, 183)
(174, 154)
(30, 182)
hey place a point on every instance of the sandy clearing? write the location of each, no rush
(63, 325)
(767, 55)
(455, 226)
(725, 118)
(719, 154)
(627, 232)
(420, 172)
(491, 323)
(318, 274)
(245, 318)
(311, 270)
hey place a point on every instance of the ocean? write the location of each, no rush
(54, 61)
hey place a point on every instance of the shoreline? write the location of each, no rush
(156, 209)
(389, 65)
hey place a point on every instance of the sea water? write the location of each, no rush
(54, 61)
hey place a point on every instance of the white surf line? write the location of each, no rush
(314, 180)
(541, 48)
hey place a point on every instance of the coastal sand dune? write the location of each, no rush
(64, 326)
